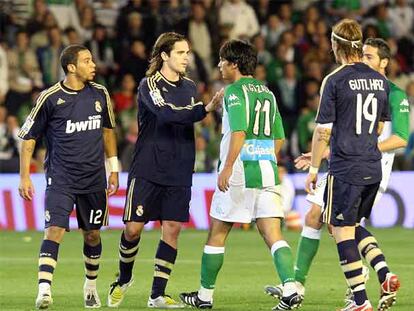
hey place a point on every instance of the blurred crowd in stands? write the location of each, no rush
(292, 39)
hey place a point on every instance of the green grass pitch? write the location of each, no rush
(247, 268)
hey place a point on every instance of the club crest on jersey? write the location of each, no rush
(47, 216)
(98, 106)
(140, 210)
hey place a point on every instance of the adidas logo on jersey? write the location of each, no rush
(93, 123)
(60, 101)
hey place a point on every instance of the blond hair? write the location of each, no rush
(347, 34)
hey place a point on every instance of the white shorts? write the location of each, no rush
(386, 166)
(317, 196)
(240, 204)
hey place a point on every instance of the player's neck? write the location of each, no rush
(170, 74)
(72, 83)
(350, 60)
(239, 76)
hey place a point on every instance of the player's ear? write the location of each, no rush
(71, 68)
(164, 56)
(384, 63)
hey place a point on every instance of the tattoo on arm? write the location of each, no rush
(324, 135)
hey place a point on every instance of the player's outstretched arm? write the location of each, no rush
(303, 162)
(391, 143)
(26, 189)
(170, 112)
(111, 153)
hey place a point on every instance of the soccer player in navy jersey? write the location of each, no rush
(160, 177)
(76, 119)
(352, 111)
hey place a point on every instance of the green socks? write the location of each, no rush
(283, 260)
(211, 263)
(307, 249)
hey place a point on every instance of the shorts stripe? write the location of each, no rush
(128, 205)
(106, 218)
(328, 209)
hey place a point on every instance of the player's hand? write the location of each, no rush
(310, 183)
(26, 189)
(113, 183)
(223, 181)
(303, 162)
(215, 101)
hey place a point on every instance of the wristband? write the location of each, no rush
(313, 170)
(113, 164)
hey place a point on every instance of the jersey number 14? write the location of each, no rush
(362, 110)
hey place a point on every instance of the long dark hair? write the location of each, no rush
(164, 43)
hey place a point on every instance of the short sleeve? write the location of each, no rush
(400, 114)
(278, 132)
(235, 104)
(327, 109)
(36, 122)
(109, 116)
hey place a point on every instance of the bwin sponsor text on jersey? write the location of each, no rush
(93, 123)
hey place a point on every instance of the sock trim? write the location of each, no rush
(311, 233)
(213, 249)
(380, 265)
(277, 245)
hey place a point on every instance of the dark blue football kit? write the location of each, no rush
(72, 124)
(354, 98)
(160, 177)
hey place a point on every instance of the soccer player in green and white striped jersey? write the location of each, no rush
(248, 184)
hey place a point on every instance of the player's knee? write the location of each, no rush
(54, 233)
(312, 218)
(92, 237)
(132, 233)
(171, 230)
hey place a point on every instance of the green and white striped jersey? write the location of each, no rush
(251, 107)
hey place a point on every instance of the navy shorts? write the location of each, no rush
(346, 204)
(91, 209)
(148, 201)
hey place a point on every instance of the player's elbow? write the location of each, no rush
(403, 143)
